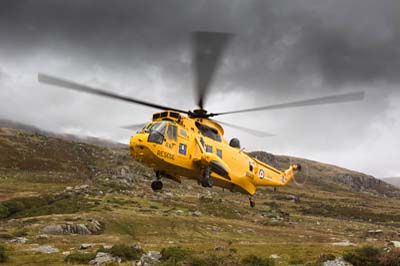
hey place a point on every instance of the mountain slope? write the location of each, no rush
(326, 176)
(48, 181)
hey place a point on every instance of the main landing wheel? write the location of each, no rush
(156, 185)
(207, 180)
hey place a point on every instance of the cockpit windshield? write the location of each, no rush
(156, 132)
(209, 132)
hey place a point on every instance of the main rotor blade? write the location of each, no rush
(134, 126)
(254, 132)
(207, 50)
(51, 80)
(341, 98)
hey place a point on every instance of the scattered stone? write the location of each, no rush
(66, 253)
(151, 258)
(103, 258)
(274, 256)
(179, 212)
(69, 188)
(345, 243)
(395, 244)
(85, 246)
(337, 262)
(375, 232)
(18, 240)
(42, 237)
(45, 249)
(197, 213)
(219, 248)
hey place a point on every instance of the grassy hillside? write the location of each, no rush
(51, 181)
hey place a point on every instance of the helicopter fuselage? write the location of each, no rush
(177, 146)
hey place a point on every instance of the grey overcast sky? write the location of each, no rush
(283, 50)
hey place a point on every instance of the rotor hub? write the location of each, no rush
(198, 113)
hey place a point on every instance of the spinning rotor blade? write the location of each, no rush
(341, 98)
(254, 132)
(207, 50)
(47, 79)
(134, 126)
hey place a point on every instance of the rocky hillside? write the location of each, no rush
(68, 202)
(395, 181)
(326, 176)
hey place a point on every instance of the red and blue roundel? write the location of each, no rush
(261, 173)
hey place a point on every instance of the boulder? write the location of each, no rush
(151, 258)
(91, 227)
(395, 244)
(337, 262)
(85, 246)
(18, 240)
(102, 258)
(345, 243)
(46, 249)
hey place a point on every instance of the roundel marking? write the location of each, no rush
(261, 173)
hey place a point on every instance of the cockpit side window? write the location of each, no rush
(172, 132)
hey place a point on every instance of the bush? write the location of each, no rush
(174, 255)
(81, 258)
(391, 258)
(365, 256)
(252, 260)
(14, 206)
(126, 252)
(325, 257)
(212, 260)
(4, 212)
(3, 255)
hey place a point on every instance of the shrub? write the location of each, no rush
(3, 255)
(126, 252)
(365, 256)
(81, 258)
(174, 255)
(325, 257)
(391, 258)
(252, 260)
(14, 206)
(4, 212)
(211, 260)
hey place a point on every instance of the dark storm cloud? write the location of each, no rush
(277, 39)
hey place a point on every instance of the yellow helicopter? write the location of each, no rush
(190, 144)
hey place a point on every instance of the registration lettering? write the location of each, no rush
(166, 155)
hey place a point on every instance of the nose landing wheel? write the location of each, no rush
(156, 185)
(252, 202)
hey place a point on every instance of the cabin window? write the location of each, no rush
(209, 148)
(219, 153)
(174, 115)
(183, 133)
(171, 132)
(156, 132)
(209, 132)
